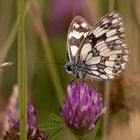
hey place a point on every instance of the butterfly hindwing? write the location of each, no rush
(107, 63)
(78, 30)
(104, 50)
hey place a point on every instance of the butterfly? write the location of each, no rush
(97, 52)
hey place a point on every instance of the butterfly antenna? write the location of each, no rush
(40, 62)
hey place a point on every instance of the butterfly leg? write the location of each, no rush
(91, 81)
(73, 80)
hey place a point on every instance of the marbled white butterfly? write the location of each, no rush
(99, 52)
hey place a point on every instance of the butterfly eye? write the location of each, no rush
(68, 68)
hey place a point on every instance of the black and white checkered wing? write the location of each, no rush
(78, 30)
(104, 51)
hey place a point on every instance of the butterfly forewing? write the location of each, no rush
(78, 30)
(104, 51)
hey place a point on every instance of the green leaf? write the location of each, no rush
(55, 126)
(98, 134)
(50, 126)
(56, 118)
(54, 133)
(99, 121)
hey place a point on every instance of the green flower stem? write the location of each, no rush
(82, 138)
(111, 4)
(22, 68)
(107, 87)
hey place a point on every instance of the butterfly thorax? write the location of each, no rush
(78, 69)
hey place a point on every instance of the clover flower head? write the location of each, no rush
(33, 132)
(82, 108)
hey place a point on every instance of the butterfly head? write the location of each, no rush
(68, 67)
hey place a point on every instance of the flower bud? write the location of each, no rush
(82, 108)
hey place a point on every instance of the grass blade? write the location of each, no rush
(22, 80)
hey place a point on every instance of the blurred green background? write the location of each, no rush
(47, 23)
